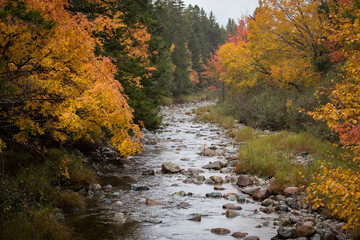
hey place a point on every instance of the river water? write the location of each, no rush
(182, 138)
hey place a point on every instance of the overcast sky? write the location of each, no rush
(225, 9)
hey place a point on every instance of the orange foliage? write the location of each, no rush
(54, 84)
(340, 187)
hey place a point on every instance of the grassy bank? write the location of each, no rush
(35, 190)
(293, 159)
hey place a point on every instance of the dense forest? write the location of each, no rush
(84, 74)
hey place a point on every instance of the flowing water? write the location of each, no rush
(181, 138)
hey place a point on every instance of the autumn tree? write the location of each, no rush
(339, 189)
(53, 84)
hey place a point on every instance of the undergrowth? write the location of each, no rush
(33, 189)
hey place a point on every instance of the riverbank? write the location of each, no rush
(290, 161)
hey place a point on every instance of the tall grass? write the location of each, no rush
(274, 155)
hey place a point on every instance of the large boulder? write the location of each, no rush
(244, 181)
(170, 167)
(305, 229)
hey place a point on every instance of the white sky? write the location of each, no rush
(225, 9)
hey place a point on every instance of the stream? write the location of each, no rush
(123, 189)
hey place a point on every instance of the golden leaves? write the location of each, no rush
(65, 90)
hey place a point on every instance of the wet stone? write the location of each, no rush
(215, 165)
(170, 167)
(239, 235)
(136, 187)
(244, 181)
(241, 200)
(219, 188)
(179, 194)
(183, 205)
(220, 231)
(195, 219)
(305, 229)
(231, 198)
(231, 213)
(286, 232)
(148, 172)
(119, 217)
(185, 159)
(252, 238)
(213, 195)
(231, 206)
(217, 179)
(208, 152)
(267, 202)
(151, 202)
(209, 181)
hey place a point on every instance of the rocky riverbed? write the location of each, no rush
(182, 187)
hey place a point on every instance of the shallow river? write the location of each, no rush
(181, 139)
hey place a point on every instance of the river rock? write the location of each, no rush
(231, 206)
(137, 187)
(151, 202)
(195, 219)
(250, 190)
(189, 180)
(252, 238)
(170, 167)
(94, 186)
(330, 236)
(195, 170)
(217, 179)
(244, 181)
(226, 195)
(261, 194)
(179, 194)
(148, 172)
(286, 232)
(119, 217)
(185, 159)
(220, 231)
(200, 178)
(208, 152)
(215, 165)
(183, 205)
(291, 190)
(305, 229)
(231, 213)
(239, 235)
(213, 195)
(219, 188)
(267, 202)
(209, 181)
(295, 219)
